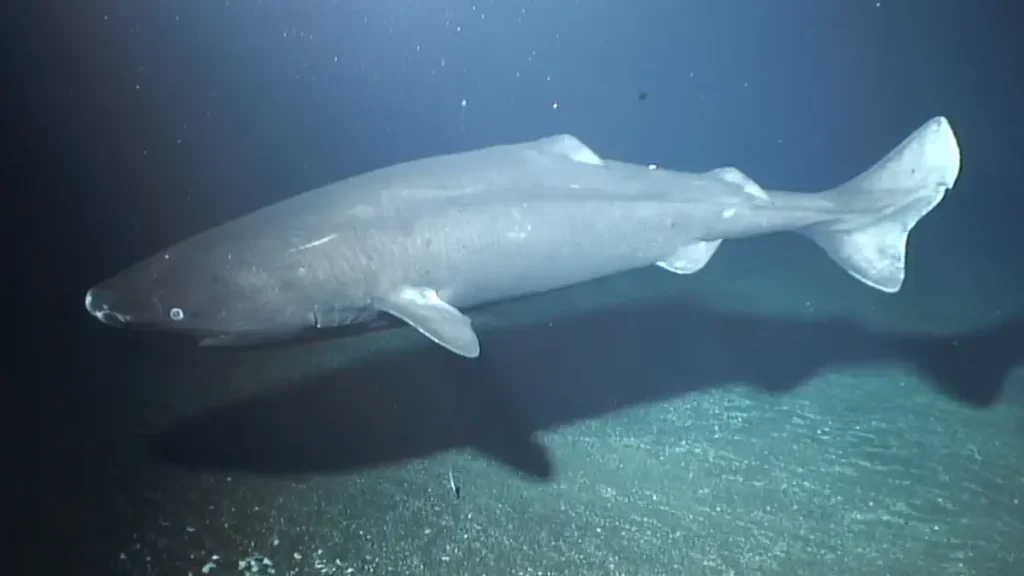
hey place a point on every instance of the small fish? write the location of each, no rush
(453, 485)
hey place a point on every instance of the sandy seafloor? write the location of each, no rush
(871, 473)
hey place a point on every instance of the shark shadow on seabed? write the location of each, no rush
(541, 377)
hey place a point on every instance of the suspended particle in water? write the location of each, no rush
(462, 115)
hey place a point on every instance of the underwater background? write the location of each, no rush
(768, 415)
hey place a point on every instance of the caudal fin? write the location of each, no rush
(885, 202)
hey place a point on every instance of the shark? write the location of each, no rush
(425, 241)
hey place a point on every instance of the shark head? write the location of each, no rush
(200, 295)
(224, 296)
(160, 293)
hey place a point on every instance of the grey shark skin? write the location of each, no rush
(425, 240)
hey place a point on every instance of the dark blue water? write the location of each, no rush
(768, 415)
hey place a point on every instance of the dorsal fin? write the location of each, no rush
(569, 146)
(735, 177)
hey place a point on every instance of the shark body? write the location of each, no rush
(425, 240)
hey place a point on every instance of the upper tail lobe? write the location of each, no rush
(886, 201)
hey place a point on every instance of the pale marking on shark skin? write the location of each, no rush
(362, 211)
(423, 296)
(315, 243)
(520, 232)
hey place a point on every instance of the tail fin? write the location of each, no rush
(886, 202)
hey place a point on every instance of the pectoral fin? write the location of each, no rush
(690, 258)
(436, 319)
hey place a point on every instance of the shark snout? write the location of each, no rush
(98, 303)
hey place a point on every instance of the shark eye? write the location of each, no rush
(176, 314)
